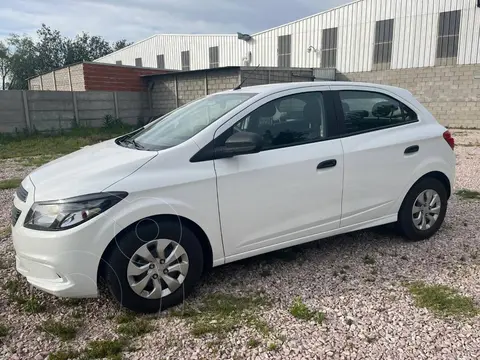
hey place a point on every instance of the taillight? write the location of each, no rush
(449, 139)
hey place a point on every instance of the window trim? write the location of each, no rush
(185, 54)
(448, 37)
(382, 43)
(341, 116)
(207, 153)
(326, 50)
(216, 52)
(281, 56)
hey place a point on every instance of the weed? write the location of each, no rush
(64, 330)
(3, 330)
(126, 317)
(221, 313)
(442, 300)
(100, 349)
(5, 232)
(38, 161)
(368, 260)
(301, 311)
(64, 355)
(135, 328)
(15, 294)
(272, 347)
(252, 343)
(10, 184)
(468, 194)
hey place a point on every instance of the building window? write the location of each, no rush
(382, 54)
(284, 50)
(186, 60)
(161, 61)
(213, 57)
(138, 62)
(329, 48)
(118, 62)
(448, 35)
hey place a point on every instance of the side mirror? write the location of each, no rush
(240, 143)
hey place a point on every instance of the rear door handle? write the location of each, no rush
(412, 149)
(327, 164)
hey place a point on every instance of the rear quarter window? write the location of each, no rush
(368, 111)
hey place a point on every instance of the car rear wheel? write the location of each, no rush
(154, 266)
(423, 210)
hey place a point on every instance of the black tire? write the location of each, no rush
(128, 243)
(405, 221)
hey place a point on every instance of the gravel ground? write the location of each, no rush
(369, 314)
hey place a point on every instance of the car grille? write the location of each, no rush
(15, 215)
(22, 194)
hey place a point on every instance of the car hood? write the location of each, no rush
(88, 170)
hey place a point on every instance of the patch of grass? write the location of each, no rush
(301, 311)
(468, 194)
(4, 330)
(221, 313)
(70, 302)
(56, 143)
(64, 355)
(258, 324)
(369, 260)
(126, 317)
(64, 330)
(99, 349)
(135, 328)
(5, 232)
(272, 347)
(442, 300)
(38, 161)
(10, 184)
(253, 343)
(16, 294)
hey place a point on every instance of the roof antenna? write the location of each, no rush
(239, 86)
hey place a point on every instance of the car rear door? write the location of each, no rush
(291, 191)
(382, 144)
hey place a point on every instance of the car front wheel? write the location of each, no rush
(423, 210)
(154, 266)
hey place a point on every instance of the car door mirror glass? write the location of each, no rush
(240, 143)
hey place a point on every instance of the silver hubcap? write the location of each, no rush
(426, 209)
(157, 269)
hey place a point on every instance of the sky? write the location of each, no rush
(137, 19)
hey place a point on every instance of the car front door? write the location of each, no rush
(289, 192)
(382, 145)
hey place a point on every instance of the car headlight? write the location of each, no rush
(65, 214)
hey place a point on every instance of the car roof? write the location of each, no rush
(273, 88)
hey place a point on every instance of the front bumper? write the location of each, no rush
(62, 263)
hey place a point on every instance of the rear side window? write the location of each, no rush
(369, 111)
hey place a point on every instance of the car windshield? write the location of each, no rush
(185, 122)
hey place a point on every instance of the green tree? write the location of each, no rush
(120, 44)
(4, 64)
(24, 61)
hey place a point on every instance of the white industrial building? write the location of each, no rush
(360, 36)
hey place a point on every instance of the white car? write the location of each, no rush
(226, 177)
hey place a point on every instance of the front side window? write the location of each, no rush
(368, 111)
(287, 121)
(187, 121)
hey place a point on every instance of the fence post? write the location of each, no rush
(25, 110)
(176, 91)
(75, 108)
(206, 83)
(115, 104)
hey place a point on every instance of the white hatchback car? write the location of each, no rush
(226, 177)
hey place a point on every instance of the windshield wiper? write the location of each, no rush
(131, 141)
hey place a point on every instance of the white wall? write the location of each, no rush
(414, 38)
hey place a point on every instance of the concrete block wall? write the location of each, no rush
(222, 80)
(163, 96)
(190, 87)
(62, 78)
(451, 93)
(77, 78)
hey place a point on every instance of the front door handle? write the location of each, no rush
(411, 149)
(327, 164)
